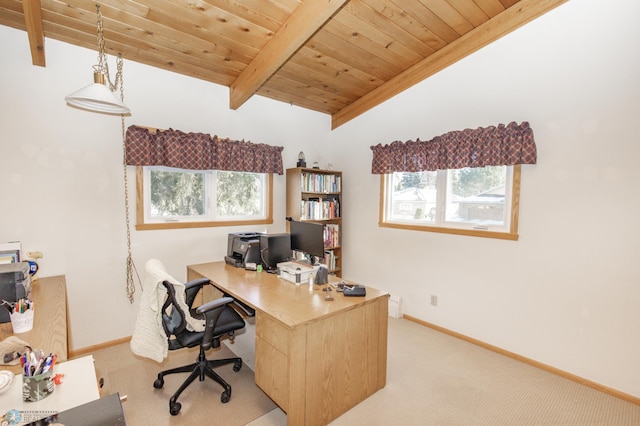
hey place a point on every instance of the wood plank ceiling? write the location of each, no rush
(339, 57)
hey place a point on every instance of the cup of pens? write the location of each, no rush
(37, 377)
(21, 315)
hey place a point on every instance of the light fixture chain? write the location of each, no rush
(131, 267)
(119, 80)
(101, 59)
(103, 64)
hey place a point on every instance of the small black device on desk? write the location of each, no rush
(15, 284)
(354, 290)
(243, 248)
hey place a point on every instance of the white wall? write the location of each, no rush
(566, 294)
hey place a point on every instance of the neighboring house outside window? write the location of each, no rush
(462, 182)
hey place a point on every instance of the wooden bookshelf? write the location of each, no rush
(315, 195)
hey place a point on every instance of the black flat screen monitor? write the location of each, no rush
(274, 248)
(307, 237)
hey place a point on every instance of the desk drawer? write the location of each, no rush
(272, 372)
(272, 332)
(272, 359)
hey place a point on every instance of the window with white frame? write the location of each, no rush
(187, 198)
(470, 201)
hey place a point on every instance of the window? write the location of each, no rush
(179, 198)
(471, 201)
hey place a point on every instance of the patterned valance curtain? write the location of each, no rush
(199, 151)
(504, 145)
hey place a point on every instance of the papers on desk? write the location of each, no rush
(10, 252)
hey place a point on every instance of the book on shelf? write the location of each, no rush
(331, 235)
(330, 260)
(320, 208)
(320, 182)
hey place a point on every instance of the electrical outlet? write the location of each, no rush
(434, 300)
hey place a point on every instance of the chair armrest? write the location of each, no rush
(197, 281)
(209, 306)
(192, 288)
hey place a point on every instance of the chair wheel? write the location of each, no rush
(174, 408)
(226, 395)
(237, 366)
(158, 384)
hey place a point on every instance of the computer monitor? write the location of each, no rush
(307, 237)
(274, 248)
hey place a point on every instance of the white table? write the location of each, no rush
(79, 386)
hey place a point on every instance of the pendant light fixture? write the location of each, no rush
(97, 97)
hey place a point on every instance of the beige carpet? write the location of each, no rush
(134, 376)
(432, 379)
(436, 379)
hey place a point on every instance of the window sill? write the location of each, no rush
(182, 225)
(456, 231)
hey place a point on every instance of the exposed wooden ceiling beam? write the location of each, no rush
(522, 12)
(308, 18)
(33, 22)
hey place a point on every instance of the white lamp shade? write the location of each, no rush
(98, 98)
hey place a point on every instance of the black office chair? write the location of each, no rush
(220, 320)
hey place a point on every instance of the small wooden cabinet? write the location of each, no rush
(315, 195)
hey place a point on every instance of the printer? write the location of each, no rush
(243, 248)
(15, 284)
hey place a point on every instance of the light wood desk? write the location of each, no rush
(316, 359)
(49, 331)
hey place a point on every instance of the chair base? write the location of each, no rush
(201, 368)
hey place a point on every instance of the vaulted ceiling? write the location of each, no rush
(339, 57)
